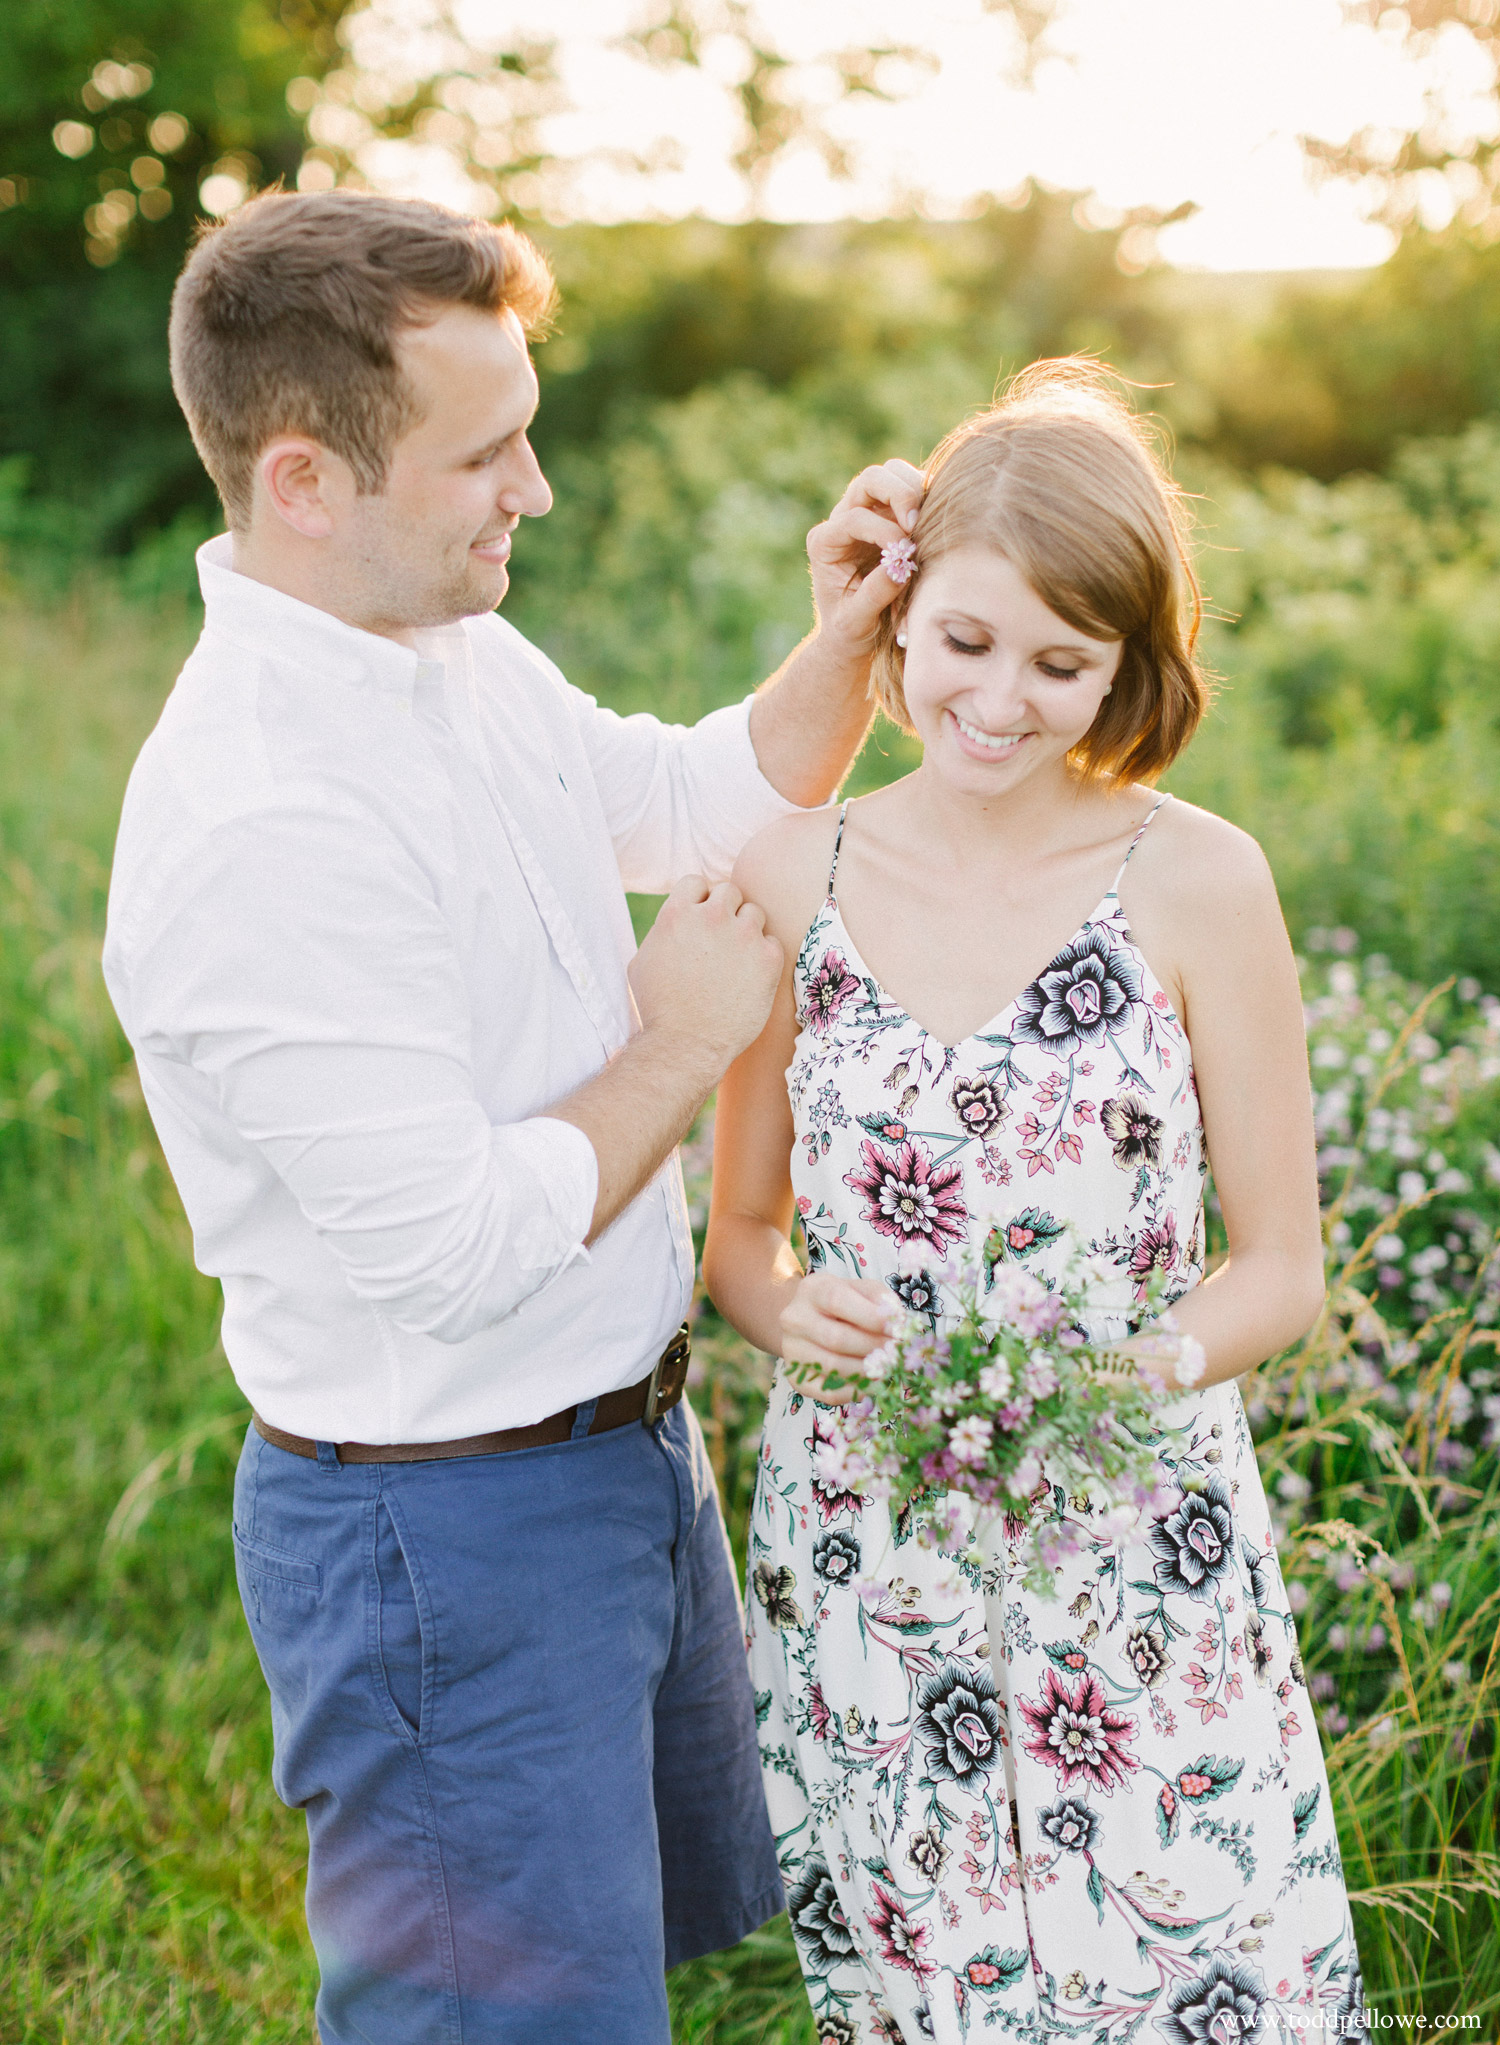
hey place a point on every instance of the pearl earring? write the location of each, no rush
(900, 638)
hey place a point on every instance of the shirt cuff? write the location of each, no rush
(729, 754)
(565, 1172)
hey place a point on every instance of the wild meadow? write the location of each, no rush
(149, 1882)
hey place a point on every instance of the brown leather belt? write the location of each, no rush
(657, 1393)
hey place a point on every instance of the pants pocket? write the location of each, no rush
(280, 1590)
(402, 1640)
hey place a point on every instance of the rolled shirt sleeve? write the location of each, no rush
(678, 798)
(308, 972)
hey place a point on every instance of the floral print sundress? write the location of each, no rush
(1104, 1817)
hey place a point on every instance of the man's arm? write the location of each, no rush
(687, 798)
(306, 971)
(703, 981)
(809, 720)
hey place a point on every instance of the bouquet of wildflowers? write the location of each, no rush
(1013, 1411)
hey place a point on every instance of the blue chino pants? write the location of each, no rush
(510, 1693)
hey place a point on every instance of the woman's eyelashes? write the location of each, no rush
(1053, 672)
(964, 645)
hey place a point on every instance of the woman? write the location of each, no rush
(1029, 994)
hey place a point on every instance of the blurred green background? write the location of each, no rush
(709, 391)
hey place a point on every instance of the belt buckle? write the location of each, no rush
(668, 1376)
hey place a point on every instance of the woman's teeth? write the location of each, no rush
(991, 741)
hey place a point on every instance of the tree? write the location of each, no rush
(1445, 170)
(111, 122)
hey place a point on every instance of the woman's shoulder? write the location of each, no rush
(785, 868)
(1195, 860)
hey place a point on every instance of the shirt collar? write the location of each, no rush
(267, 621)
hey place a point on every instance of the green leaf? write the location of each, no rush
(762, 1706)
(1305, 1809)
(1218, 1773)
(1167, 1821)
(993, 1970)
(1096, 1892)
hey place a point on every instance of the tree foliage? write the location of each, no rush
(110, 120)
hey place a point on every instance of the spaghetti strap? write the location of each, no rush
(1159, 803)
(837, 842)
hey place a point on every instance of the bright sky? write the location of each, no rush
(1146, 102)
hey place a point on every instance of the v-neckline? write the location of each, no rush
(984, 1031)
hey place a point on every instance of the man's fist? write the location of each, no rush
(707, 971)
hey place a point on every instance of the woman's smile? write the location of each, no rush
(980, 744)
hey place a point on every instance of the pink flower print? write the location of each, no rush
(817, 1711)
(830, 1497)
(1076, 1732)
(830, 987)
(1155, 1250)
(909, 1197)
(901, 1941)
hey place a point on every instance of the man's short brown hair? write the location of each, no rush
(284, 320)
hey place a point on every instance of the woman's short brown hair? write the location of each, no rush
(285, 317)
(1061, 478)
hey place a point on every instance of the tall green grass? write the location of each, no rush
(150, 1884)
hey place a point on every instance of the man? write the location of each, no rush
(368, 937)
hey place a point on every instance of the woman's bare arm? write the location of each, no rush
(1206, 903)
(752, 1272)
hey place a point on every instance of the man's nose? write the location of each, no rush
(525, 491)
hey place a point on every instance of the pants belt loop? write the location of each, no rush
(328, 1455)
(583, 1419)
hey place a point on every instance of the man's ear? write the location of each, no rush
(306, 487)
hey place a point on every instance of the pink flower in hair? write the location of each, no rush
(899, 560)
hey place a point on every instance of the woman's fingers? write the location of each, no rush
(853, 528)
(829, 1336)
(894, 485)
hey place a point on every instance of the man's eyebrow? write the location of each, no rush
(494, 446)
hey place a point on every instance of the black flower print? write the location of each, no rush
(1146, 1651)
(817, 1915)
(1084, 994)
(927, 1853)
(773, 1591)
(836, 2029)
(918, 1294)
(1133, 1130)
(1255, 1644)
(1194, 1545)
(1226, 2002)
(979, 1106)
(836, 1556)
(1259, 1573)
(1069, 1824)
(1350, 2013)
(959, 1721)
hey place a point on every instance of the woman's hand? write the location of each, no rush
(850, 588)
(831, 1325)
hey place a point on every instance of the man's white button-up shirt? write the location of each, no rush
(367, 920)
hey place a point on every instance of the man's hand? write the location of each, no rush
(707, 973)
(832, 1324)
(850, 588)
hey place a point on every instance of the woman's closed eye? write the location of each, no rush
(1058, 674)
(964, 645)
